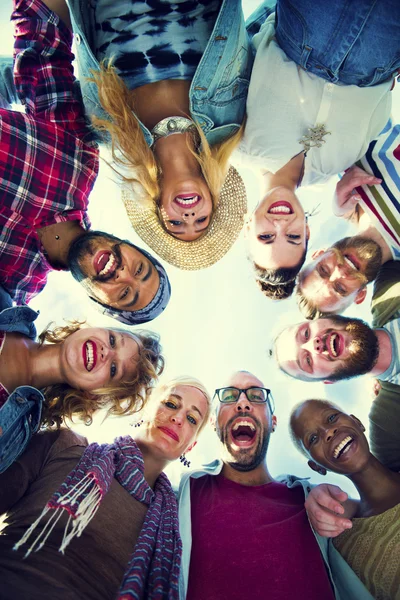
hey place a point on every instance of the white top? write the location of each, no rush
(392, 373)
(285, 100)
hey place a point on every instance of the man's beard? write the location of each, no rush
(367, 250)
(244, 459)
(364, 349)
(82, 247)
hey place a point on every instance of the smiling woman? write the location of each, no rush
(78, 369)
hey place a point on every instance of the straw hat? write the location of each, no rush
(225, 227)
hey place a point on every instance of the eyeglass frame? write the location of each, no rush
(269, 399)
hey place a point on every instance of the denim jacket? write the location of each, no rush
(20, 415)
(219, 88)
(345, 582)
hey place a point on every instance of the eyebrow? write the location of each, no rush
(193, 407)
(134, 301)
(149, 272)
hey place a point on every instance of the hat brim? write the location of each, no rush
(225, 227)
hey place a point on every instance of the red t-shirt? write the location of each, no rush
(253, 542)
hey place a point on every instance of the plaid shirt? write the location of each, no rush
(48, 163)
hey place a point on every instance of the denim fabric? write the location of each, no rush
(346, 41)
(345, 582)
(219, 88)
(20, 415)
(8, 93)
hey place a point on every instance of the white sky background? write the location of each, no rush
(217, 320)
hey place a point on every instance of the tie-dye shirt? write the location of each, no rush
(153, 40)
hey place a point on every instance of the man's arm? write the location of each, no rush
(330, 509)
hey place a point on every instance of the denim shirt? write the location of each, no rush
(346, 584)
(219, 88)
(20, 415)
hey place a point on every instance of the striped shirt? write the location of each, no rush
(392, 373)
(382, 202)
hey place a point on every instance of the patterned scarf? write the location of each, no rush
(153, 568)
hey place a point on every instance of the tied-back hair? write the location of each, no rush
(129, 148)
(307, 307)
(163, 390)
(63, 402)
(278, 284)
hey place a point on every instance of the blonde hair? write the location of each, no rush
(164, 389)
(129, 147)
(62, 401)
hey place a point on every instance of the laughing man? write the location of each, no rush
(367, 195)
(48, 166)
(245, 534)
(335, 348)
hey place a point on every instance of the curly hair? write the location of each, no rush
(130, 150)
(62, 401)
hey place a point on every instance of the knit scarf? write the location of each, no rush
(153, 568)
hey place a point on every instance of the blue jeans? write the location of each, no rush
(352, 42)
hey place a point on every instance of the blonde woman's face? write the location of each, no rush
(186, 207)
(95, 358)
(178, 416)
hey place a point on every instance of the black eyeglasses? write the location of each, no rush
(258, 395)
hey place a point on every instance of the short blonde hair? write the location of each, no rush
(125, 398)
(164, 389)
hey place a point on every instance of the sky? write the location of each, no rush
(217, 320)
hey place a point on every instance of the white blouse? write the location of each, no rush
(284, 101)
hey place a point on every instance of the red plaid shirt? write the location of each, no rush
(48, 163)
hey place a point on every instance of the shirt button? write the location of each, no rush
(78, 38)
(20, 399)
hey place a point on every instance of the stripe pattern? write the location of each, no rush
(153, 568)
(382, 202)
(372, 549)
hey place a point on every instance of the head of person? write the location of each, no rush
(177, 412)
(330, 439)
(101, 368)
(327, 349)
(338, 276)
(244, 420)
(277, 237)
(125, 282)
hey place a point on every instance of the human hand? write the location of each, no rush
(346, 196)
(376, 387)
(324, 504)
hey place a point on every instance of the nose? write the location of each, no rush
(338, 273)
(330, 433)
(242, 403)
(122, 275)
(318, 344)
(105, 352)
(177, 419)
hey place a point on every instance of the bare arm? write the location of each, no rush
(61, 9)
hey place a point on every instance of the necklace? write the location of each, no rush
(171, 126)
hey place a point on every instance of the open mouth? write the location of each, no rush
(343, 447)
(335, 344)
(89, 353)
(187, 200)
(352, 262)
(104, 263)
(243, 432)
(280, 208)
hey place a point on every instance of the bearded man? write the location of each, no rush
(246, 534)
(368, 196)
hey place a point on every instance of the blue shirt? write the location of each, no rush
(20, 415)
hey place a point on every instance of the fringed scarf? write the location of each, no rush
(153, 568)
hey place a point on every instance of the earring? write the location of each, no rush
(184, 461)
(138, 424)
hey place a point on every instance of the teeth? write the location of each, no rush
(108, 266)
(187, 201)
(280, 209)
(332, 344)
(350, 263)
(89, 355)
(340, 446)
(243, 424)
